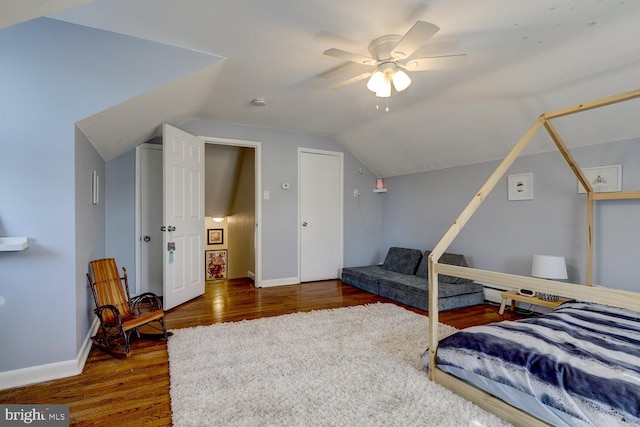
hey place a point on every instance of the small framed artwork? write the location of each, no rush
(216, 264)
(520, 186)
(215, 236)
(603, 178)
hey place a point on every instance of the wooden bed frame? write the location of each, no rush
(607, 296)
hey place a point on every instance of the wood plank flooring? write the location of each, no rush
(135, 391)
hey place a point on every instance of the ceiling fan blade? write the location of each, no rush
(435, 63)
(348, 56)
(413, 39)
(355, 79)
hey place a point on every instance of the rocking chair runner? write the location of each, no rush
(120, 315)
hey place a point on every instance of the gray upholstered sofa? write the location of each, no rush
(403, 277)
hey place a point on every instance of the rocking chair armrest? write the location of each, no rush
(154, 302)
(115, 313)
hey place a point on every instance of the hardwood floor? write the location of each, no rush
(135, 391)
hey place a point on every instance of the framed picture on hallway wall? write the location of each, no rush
(216, 264)
(215, 236)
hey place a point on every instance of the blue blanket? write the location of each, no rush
(582, 360)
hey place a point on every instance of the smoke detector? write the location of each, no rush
(259, 102)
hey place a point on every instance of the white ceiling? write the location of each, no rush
(524, 58)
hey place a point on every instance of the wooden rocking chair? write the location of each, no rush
(120, 315)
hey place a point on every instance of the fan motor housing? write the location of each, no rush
(381, 47)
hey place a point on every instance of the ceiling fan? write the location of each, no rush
(391, 57)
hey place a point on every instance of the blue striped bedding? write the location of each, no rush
(578, 365)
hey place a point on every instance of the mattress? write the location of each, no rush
(578, 365)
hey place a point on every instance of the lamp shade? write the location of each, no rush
(549, 267)
(385, 90)
(401, 80)
(376, 81)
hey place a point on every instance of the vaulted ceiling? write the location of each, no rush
(523, 58)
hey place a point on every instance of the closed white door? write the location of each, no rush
(320, 198)
(149, 205)
(183, 216)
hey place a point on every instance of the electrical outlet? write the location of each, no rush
(356, 193)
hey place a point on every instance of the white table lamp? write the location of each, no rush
(549, 267)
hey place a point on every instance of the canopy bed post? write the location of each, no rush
(456, 227)
(589, 267)
(433, 315)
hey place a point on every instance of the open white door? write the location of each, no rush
(183, 216)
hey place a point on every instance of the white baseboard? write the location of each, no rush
(279, 282)
(492, 292)
(50, 371)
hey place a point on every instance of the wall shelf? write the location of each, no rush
(379, 190)
(13, 243)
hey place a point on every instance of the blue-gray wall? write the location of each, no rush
(503, 235)
(89, 230)
(53, 74)
(120, 200)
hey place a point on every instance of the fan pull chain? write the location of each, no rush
(378, 104)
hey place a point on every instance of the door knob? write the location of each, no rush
(146, 238)
(304, 223)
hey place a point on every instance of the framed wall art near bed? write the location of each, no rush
(216, 264)
(603, 178)
(520, 186)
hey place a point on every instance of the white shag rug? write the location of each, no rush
(354, 366)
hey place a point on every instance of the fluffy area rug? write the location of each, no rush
(355, 366)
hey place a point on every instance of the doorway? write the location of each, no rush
(230, 211)
(148, 245)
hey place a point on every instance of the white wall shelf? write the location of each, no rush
(13, 243)
(379, 190)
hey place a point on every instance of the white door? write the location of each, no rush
(320, 178)
(183, 216)
(149, 218)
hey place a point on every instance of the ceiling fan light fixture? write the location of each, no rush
(401, 80)
(376, 81)
(384, 91)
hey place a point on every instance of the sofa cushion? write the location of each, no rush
(423, 267)
(402, 260)
(369, 272)
(363, 277)
(420, 285)
(446, 258)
